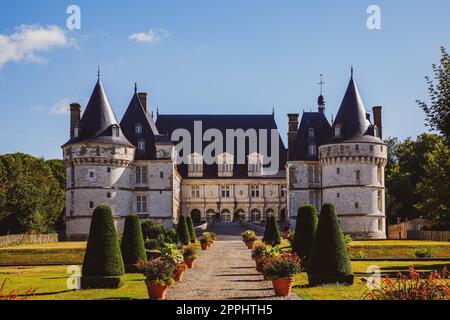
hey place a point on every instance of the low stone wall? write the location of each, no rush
(28, 239)
(429, 235)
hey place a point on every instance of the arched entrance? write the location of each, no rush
(196, 216)
(240, 214)
(225, 216)
(210, 215)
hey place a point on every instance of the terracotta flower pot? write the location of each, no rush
(205, 246)
(259, 264)
(178, 275)
(283, 286)
(156, 291)
(189, 263)
(251, 245)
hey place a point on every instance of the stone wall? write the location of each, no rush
(28, 239)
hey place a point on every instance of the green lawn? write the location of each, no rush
(355, 291)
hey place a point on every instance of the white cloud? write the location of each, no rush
(151, 36)
(28, 40)
(62, 107)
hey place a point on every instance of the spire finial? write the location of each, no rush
(157, 111)
(321, 83)
(273, 110)
(135, 87)
(352, 70)
(98, 73)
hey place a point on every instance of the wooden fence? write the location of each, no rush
(429, 235)
(28, 239)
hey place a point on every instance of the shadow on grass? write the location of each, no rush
(40, 294)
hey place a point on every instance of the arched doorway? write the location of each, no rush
(269, 213)
(225, 215)
(240, 213)
(196, 216)
(255, 215)
(283, 215)
(210, 215)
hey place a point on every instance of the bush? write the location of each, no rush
(272, 233)
(415, 286)
(159, 272)
(183, 231)
(281, 267)
(305, 231)
(424, 252)
(190, 252)
(172, 253)
(132, 245)
(248, 234)
(330, 261)
(153, 244)
(103, 265)
(191, 229)
(155, 235)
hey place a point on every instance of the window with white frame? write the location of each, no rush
(225, 164)
(225, 191)
(138, 128)
(255, 191)
(312, 150)
(141, 145)
(255, 215)
(76, 131)
(195, 191)
(115, 131)
(195, 165)
(313, 174)
(255, 164)
(141, 174)
(141, 204)
(315, 199)
(337, 131)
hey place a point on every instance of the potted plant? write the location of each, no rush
(281, 271)
(158, 277)
(172, 253)
(204, 243)
(251, 238)
(190, 253)
(179, 271)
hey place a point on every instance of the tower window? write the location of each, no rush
(312, 150)
(356, 205)
(141, 145)
(115, 131)
(141, 204)
(141, 174)
(338, 195)
(358, 176)
(380, 224)
(76, 131)
(108, 169)
(108, 195)
(91, 204)
(371, 147)
(161, 174)
(338, 170)
(380, 200)
(337, 132)
(138, 129)
(357, 147)
(311, 133)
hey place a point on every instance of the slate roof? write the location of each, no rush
(322, 132)
(98, 120)
(352, 117)
(134, 115)
(166, 124)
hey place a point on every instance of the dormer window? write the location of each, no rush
(195, 165)
(225, 165)
(255, 164)
(337, 131)
(76, 131)
(310, 133)
(138, 128)
(141, 145)
(115, 131)
(312, 150)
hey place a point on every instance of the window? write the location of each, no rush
(380, 224)
(338, 170)
(379, 174)
(313, 174)
(337, 132)
(161, 174)
(283, 190)
(141, 204)
(341, 148)
(312, 150)
(338, 195)
(195, 191)
(195, 165)
(311, 133)
(371, 148)
(254, 191)
(381, 148)
(357, 147)
(76, 131)
(380, 200)
(255, 215)
(115, 131)
(314, 199)
(108, 195)
(225, 191)
(141, 145)
(108, 170)
(91, 204)
(358, 176)
(356, 205)
(91, 174)
(225, 164)
(141, 174)
(255, 164)
(210, 215)
(138, 128)
(226, 215)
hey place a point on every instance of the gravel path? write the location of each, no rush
(225, 271)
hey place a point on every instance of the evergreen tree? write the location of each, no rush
(305, 231)
(191, 229)
(272, 233)
(330, 261)
(132, 246)
(103, 265)
(183, 231)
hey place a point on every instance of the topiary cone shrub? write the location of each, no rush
(132, 246)
(272, 233)
(191, 229)
(330, 262)
(305, 231)
(183, 231)
(103, 265)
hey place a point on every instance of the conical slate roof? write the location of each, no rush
(98, 121)
(137, 115)
(352, 114)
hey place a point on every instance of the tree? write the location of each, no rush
(132, 246)
(330, 261)
(183, 231)
(438, 110)
(103, 265)
(272, 233)
(191, 229)
(305, 231)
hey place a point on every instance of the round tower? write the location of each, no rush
(99, 166)
(353, 165)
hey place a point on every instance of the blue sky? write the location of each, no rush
(212, 57)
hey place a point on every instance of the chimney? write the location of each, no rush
(377, 120)
(143, 98)
(75, 111)
(292, 134)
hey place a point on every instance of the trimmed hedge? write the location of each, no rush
(191, 229)
(330, 261)
(272, 233)
(103, 265)
(305, 231)
(183, 231)
(132, 246)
